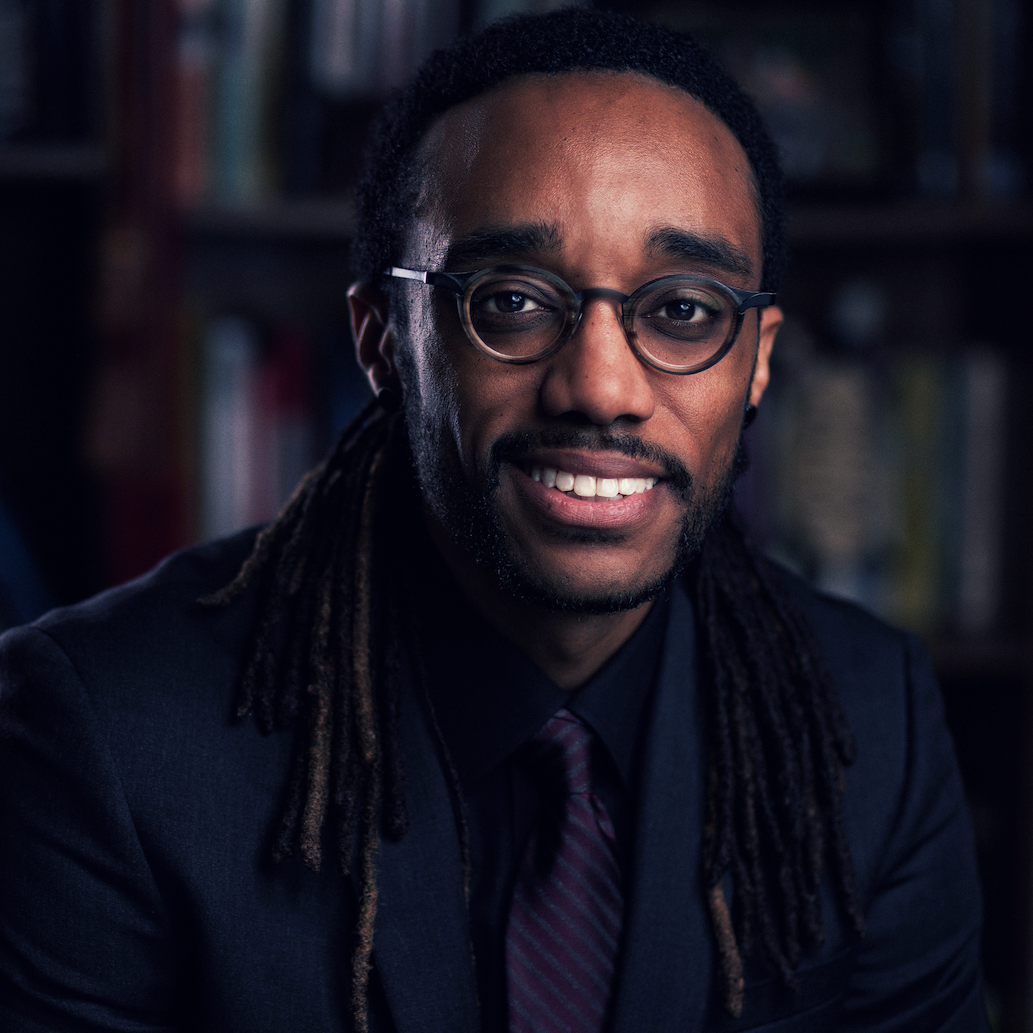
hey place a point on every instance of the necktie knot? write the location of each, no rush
(564, 752)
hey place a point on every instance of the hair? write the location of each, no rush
(332, 621)
(568, 40)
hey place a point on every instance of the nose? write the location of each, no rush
(596, 376)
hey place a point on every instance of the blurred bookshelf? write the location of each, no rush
(53, 164)
(189, 199)
(925, 222)
(52, 161)
(307, 219)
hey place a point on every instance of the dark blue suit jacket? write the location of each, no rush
(136, 816)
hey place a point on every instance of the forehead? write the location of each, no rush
(602, 158)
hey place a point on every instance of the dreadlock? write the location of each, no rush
(778, 740)
(323, 655)
(331, 625)
(313, 570)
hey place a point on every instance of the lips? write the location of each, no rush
(588, 489)
(587, 486)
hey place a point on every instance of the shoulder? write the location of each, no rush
(159, 600)
(882, 675)
(134, 652)
(903, 787)
(850, 637)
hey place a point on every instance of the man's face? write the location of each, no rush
(606, 180)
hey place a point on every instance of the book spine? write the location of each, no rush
(229, 426)
(195, 87)
(246, 83)
(981, 500)
(918, 602)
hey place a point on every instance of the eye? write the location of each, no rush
(507, 302)
(686, 310)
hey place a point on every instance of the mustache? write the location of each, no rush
(513, 446)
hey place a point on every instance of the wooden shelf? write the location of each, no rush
(808, 225)
(52, 161)
(318, 220)
(905, 224)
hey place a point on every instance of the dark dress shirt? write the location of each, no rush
(489, 700)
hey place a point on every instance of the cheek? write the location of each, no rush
(429, 379)
(461, 398)
(705, 414)
(494, 399)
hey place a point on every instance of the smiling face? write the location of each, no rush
(577, 481)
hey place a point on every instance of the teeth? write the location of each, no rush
(584, 486)
(587, 487)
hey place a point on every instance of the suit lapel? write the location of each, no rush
(665, 975)
(422, 948)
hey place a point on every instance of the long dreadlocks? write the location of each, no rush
(777, 737)
(329, 624)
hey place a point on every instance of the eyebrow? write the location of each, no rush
(503, 242)
(529, 239)
(715, 251)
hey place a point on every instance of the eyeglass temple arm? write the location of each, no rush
(760, 299)
(447, 280)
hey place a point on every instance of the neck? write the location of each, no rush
(568, 647)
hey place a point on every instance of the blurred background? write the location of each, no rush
(175, 221)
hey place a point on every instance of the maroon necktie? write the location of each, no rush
(565, 918)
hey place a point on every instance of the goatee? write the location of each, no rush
(470, 514)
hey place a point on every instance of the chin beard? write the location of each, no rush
(471, 517)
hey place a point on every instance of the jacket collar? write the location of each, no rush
(422, 948)
(422, 941)
(665, 978)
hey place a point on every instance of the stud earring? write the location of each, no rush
(749, 415)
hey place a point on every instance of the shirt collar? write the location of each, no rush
(489, 699)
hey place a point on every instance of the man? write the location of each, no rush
(580, 758)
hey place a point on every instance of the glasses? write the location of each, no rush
(520, 314)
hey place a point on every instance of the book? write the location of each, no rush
(880, 477)
(257, 422)
(980, 544)
(15, 61)
(196, 62)
(243, 157)
(23, 594)
(229, 426)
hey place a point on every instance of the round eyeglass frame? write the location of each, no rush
(463, 286)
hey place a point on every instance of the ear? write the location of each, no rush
(374, 336)
(770, 321)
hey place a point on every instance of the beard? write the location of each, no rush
(470, 514)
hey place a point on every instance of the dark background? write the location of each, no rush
(111, 268)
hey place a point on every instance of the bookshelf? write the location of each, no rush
(52, 162)
(161, 270)
(812, 225)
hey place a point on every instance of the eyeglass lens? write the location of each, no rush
(678, 320)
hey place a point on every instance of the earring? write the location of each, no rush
(749, 415)
(390, 400)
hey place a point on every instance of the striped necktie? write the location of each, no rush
(565, 918)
